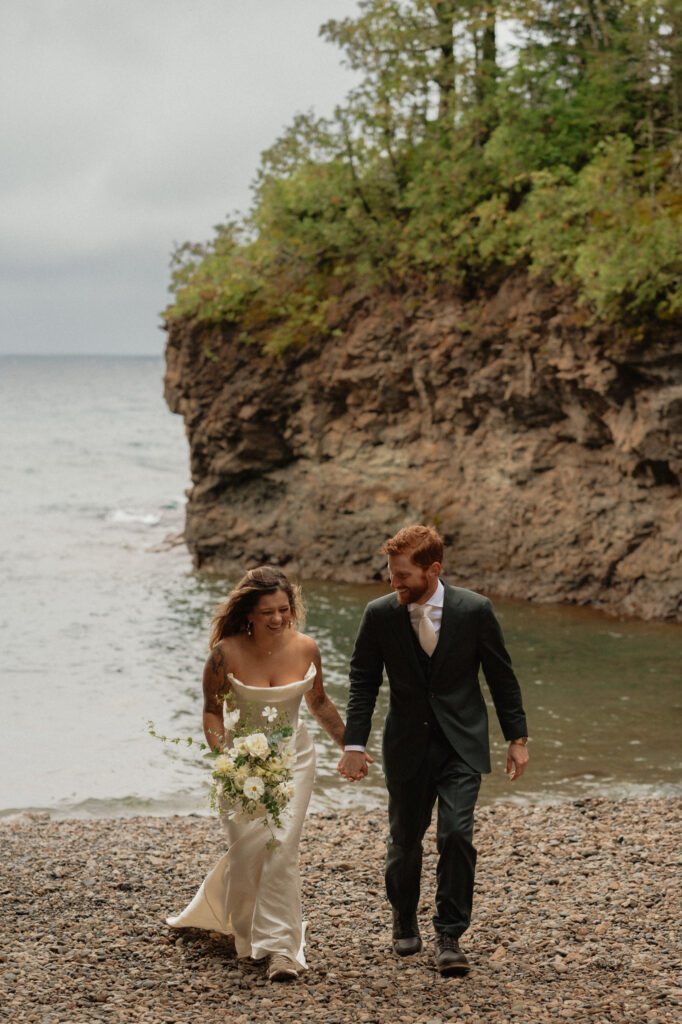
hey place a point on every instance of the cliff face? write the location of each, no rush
(548, 452)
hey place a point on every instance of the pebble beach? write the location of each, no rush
(576, 918)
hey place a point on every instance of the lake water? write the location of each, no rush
(103, 625)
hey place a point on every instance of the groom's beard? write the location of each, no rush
(410, 595)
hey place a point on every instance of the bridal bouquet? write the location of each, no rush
(253, 777)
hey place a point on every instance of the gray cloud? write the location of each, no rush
(127, 127)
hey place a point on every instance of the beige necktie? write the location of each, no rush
(426, 633)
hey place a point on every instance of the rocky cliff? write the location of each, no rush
(548, 451)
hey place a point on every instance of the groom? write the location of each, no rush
(431, 639)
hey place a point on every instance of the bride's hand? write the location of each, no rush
(353, 764)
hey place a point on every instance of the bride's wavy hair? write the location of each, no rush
(232, 616)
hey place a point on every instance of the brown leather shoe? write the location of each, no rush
(449, 957)
(406, 938)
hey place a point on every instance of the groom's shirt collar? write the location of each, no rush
(435, 601)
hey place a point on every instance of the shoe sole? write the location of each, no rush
(283, 976)
(454, 969)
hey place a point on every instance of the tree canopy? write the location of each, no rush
(480, 136)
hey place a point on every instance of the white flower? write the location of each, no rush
(269, 713)
(257, 744)
(288, 754)
(240, 745)
(253, 788)
(231, 719)
(286, 789)
(223, 764)
(240, 776)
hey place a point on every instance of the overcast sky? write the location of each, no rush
(127, 126)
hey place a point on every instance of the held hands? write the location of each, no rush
(517, 759)
(353, 764)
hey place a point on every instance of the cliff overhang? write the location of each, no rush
(547, 449)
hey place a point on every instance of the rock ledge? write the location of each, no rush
(547, 450)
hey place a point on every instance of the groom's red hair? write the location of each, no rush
(422, 543)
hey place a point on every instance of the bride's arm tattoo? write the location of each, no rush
(216, 687)
(219, 670)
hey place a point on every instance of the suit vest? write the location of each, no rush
(425, 663)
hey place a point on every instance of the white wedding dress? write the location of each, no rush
(254, 893)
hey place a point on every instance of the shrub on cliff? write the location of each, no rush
(446, 165)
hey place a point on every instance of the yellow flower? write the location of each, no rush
(223, 764)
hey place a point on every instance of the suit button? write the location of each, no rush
(426, 724)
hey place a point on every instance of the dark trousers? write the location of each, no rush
(445, 776)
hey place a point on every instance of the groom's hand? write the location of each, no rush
(517, 759)
(353, 764)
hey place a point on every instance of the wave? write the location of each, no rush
(186, 803)
(122, 516)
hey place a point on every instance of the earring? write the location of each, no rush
(249, 628)
(289, 624)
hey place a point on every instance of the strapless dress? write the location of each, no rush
(254, 893)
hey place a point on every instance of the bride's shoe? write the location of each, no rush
(281, 968)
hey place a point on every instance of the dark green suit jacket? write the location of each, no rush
(470, 637)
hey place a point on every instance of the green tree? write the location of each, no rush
(444, 166)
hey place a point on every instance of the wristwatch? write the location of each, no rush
(522, 740)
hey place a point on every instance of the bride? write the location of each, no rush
(257, 654)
